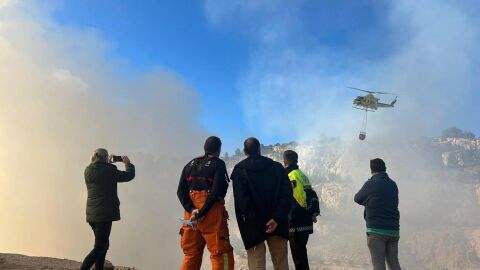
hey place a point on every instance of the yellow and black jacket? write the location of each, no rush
(305, 201)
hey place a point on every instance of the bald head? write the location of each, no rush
(251, 146)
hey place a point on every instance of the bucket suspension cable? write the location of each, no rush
(364, 122)
(363, 130)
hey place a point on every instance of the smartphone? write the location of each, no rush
(187, 222)
(116, 158)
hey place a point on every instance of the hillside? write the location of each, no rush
(439, 183)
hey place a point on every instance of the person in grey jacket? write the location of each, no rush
(103, 205)
(379, 195)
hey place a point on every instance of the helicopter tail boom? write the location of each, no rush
(387, 105)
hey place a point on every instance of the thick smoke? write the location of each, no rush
(428, 54)
(435, 67)
(60, 98)
(296, 89)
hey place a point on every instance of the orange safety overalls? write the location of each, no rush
(210, 230)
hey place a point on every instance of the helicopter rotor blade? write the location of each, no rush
(385, 93)
(372, 92)
(360, 89)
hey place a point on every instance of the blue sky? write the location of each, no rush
(224, 49)
(174, 35)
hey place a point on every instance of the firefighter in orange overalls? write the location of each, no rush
(201, 191)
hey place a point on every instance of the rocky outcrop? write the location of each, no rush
(439, 182)
(458, 151)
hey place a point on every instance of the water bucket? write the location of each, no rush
(362, 135)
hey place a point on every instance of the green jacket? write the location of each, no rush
(101, 179)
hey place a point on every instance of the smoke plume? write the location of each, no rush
(295, 86)
(61, 97)
(426, 51)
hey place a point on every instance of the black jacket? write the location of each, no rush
(379, 195)
(262, 191)
(205, 173)
(101, 179)
(301, 220)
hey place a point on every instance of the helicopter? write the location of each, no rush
(369, 103)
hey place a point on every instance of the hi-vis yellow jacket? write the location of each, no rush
(299, 182)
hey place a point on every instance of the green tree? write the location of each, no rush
(452, 132)
(469, 135)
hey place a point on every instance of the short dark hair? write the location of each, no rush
(251, 146)
(377, 165)
(212, 145)
(290, 156)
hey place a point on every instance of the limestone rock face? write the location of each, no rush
(439, 185)
(459, 151)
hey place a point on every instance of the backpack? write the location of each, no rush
(313, 204)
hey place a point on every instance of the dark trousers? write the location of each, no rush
(99, 252)
(383, 248)
(298, 248)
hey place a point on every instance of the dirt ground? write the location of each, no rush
(21, 262)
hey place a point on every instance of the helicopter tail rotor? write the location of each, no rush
(394, 101)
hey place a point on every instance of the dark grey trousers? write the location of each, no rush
(383, 248)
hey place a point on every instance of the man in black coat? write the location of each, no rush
(379, 195)
(263, 197)
(103, 205)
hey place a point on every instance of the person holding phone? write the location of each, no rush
(103, 205)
